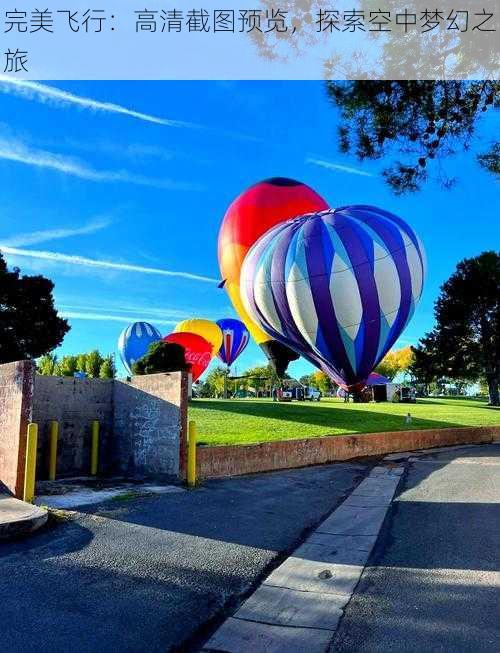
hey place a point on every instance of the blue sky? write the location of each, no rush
(138, 175)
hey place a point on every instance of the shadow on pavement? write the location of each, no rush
(431, 583)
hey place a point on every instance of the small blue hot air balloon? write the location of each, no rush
(235, 338)
(134, 341)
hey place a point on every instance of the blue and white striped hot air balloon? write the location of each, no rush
(338, 287)
(134, 341)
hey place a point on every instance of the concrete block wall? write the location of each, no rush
(74, 403)
(143, 423)
(150, 424)
(16, 392)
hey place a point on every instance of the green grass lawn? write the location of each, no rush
(244, 421)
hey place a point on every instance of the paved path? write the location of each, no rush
(434, 583)
(152, 573)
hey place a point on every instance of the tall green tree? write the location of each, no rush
(29, 323)
(107, 369)
(93, 362)
(465, 343)
(213, 386)
(47, 365)
(67, 366)
(415, 124)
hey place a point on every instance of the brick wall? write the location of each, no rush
(16, 391)
(246, 459)
(74, 403)
(150, 424)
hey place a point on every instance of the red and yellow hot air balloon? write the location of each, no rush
(254, 212)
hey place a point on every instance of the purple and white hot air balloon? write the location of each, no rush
(134, 342)
(338, 287)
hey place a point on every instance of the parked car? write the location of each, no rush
(312, 394)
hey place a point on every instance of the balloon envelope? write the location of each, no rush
(235, 337)
(204, 328)
(337, 286)
(251, 214)
(134, 342)
(197, 351)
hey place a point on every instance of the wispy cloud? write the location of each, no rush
(125, 314)
(75, 260)
(338, 167)
(46, 235)
(109, 317)
(43, 93)
(13, 150)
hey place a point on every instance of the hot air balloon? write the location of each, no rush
(256, 210)
(235, 338)
(197, 351)
(337, 286)
(204, 328)
(134, 342)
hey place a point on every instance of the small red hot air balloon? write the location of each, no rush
(197, 351)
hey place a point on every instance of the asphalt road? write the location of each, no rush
(155, 574)
(433, 581)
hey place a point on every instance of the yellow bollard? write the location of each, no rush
(53, 435)
(30, 467)
(94, 452)
(191, 455)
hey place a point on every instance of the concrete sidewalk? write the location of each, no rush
(19, 518)
(298, 607)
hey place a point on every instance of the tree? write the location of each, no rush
(465, 343)
(420, 122)
(93, 362)
(29, 323)
(67, 366)
(107, 369)
(47, 365)
(321, 381)
(395, 361)
(213, 385)
(161, 357)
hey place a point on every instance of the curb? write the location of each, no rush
(298, 607)
(18, 518)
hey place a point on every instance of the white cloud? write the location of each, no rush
(11, 150)
(75, 260)
(43, 236)
(338, 167)
(109, 317)
(43, 93)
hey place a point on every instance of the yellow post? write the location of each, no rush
(191, 455)
(94, 452)
(53, 435)
(30, 467)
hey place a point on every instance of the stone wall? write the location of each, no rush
(150, 424)
(248, 459)
(16, 391)
(74, 403)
